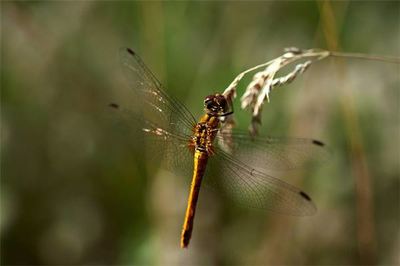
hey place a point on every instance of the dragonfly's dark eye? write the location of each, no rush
(209, 104)
(223, 103)
(215, 103)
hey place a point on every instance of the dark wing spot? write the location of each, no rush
(129, 50)
(114, 105)
(304, 195)
(317, 142)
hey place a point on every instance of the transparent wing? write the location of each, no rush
(165, 122)
(161, 145)
(268, 153)
(254, 189)
(152, 102)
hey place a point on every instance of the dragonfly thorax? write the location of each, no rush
(205, 132)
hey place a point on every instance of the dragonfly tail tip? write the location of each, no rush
(184, 244)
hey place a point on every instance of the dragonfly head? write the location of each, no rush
(215, 104)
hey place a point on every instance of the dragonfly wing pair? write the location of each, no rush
(240, 158)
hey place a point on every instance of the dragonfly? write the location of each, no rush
(194, 146)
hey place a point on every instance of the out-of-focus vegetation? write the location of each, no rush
(76, 188)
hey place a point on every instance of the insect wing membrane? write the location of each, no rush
(254, 189)
(152, 102)
(268, 153)
(166, 123)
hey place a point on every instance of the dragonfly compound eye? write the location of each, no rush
(210, 103)
(222, 101)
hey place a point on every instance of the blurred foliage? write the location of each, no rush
(76, 187)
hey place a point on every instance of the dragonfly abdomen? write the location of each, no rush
(200, 163)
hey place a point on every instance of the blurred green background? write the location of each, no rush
(76, 189)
